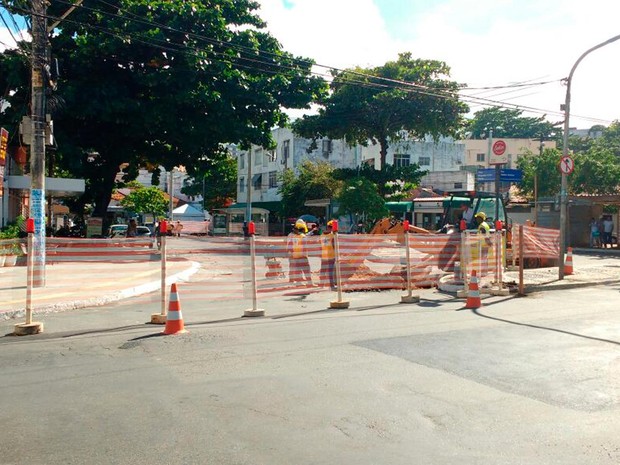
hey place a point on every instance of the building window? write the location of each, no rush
(242, 161)
(401, 160)
(257, 182)
(242, 184)
(480, 157)
(424, 161)
(273, 179)
(326, 146)
(458, 185)
(258, 157)
(286, 146)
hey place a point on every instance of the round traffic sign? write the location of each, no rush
(567, 165)
(499, 147)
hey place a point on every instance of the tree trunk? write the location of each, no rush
(383, 143)
(107, 186)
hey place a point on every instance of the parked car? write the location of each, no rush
(120, 230)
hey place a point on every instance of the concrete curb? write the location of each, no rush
(99, 301)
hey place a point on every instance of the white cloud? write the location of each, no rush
(486, 42)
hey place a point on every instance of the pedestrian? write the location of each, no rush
(178, 228)
(328, 256)
(595, 234)
(467, 214)
(132, 228)
(299, 266)
(608, 227)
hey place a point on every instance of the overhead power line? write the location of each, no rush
(259, 60)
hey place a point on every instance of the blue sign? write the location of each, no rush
(505, 175)
(485, 175)
(508, 175)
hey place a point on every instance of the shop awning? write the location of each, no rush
(399, 207)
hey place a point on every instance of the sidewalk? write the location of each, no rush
(78, 285)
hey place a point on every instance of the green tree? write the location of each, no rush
(375, 105)
(220, 183)
(393, 183)
(596, 171)
(146, 200)
(542, 169)
(610, 139)
(361, 198)
(510, 124)
(313, 181)
(167, 83)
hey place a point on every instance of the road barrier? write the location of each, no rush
(258, 268)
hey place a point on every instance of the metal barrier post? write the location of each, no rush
(501, 291)
(160, 318)
(29, 327)
(521, 264)
(465, 255)
(254, 311)
(409, 298)
(337, 303)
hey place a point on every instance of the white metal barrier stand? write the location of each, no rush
(254, 311)
(337, 303)
(499, 262)
(160, 318)
(409, 298)
(29, 327)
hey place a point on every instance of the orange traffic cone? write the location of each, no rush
(568, 264)
(473, 294)
(174, 320)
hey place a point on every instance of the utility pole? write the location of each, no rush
(37, 145)
(565, 152)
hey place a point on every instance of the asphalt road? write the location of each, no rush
(532, 380)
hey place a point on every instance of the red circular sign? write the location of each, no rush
(499, 147)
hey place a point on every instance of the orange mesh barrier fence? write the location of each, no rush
(483, 253)
(433, 256)
(538, 242)
(100, 250)
(224, 272)
(195, 227)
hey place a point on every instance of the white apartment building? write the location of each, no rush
(263, 176)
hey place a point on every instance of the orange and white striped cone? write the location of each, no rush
(174, 320)
(473, 294)
(568, 264)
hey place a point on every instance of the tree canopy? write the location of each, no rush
(216, 181)
(509, 123)
(146, 200)
(314, 181)
(408, 96)
(164, 82)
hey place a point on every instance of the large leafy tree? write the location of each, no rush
(509, 123)
(313, 181)
(146, 200)
(216, 182)
(361, 198)
(407, 97)
(597, 171)
(167, 83)
(392, 182)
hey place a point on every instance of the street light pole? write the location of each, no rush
(564, 185)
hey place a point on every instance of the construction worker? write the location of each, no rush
(328, 256)
(299, 267)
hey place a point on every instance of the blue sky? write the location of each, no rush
(485, 42)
